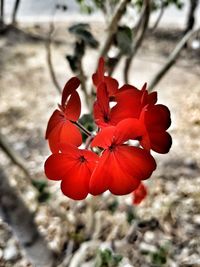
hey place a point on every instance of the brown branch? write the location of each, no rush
(14, 14)
(139, 39)
(112, 28)
(2, 13)
(162, 9)
(135, 30)
(172, 59)
(13, 155)
(21, 220)
(82, 77)
(49, 59)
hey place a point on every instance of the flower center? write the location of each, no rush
(112, 148)
(106, 118)
(82, 159)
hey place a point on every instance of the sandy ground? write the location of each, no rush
(28, 98)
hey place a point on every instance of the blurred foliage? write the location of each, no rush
(159, 257)
(112, 206)
(106, 258)
(84, 38)
(88, 122)
(124, 39)
(42, 187)
(156, 4)
(82, 32)
(89, 6)
(130, 214)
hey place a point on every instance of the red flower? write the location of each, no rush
(121, 167)
(134, 103)
(60, 127)
(103, 114)
(156, 120)
(99, 77)
(139, 194)
(74, 167)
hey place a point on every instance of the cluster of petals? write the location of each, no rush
(111, 161)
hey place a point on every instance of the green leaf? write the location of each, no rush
(130, 215)
(124, 39)
(87, 121)
(73, 62)
(81, 31)
(44, 196)
(159, 257)
(113, 205)
(106, 258)
(40, 185)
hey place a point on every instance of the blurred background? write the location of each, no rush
(42, 45)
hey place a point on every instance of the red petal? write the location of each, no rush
(139, 194)
(64, 132)
(102, 98)
(99, 181)
(128, 87)
(75, 184)
(152, 98)
(128, 104)
(104, 138)
(136, 162)
(128, 129)
(57, 165)
(54, 136)
(121, 182)
(157, 116)
(161, 141)
(70, 134)
(101, 106)
(55, 119)
(69, 88)
(112, 85)
(73, 107)
(99, 75)
(75, 153)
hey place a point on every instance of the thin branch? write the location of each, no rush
(162, 9)
(135, 30)
(82, 77)
(191, 15)
(14, 14)
(2, 13)
(21, 220)
(172, 59)
(49, 59)
(82, 128)
(13, 155)
(112, 28)
(138, 40)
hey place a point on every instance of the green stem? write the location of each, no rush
(82, 128)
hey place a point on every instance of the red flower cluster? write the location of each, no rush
(110, 162)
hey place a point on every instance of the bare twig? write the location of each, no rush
(162, 9)
(21, 220)
(82, 77)
(13, 155)
(49, 59)
(16, 6)
(113, 27)
(172, 59)
(138, 40)
(135, 31)
(191, 15)
(81, 254)
(2, 13)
